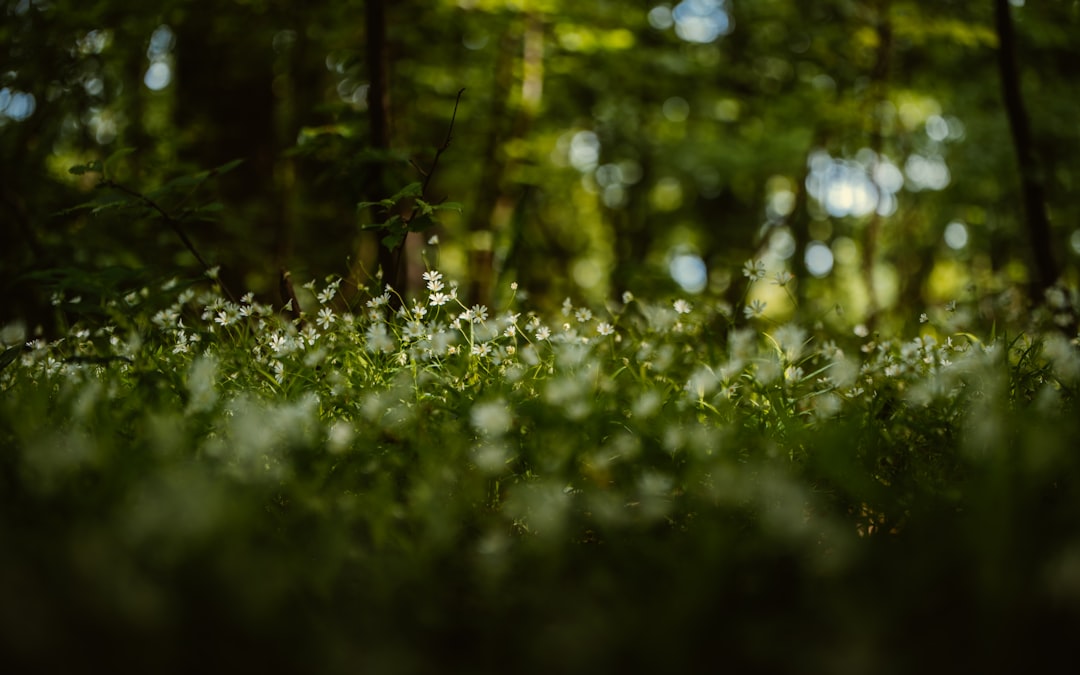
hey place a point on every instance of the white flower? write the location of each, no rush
(583, 315)
(604, 328)
(543, 333)
(438, 299)
(434, 280)
(327, 294)
(755, 308)
(224, 318)
(492, 417)
(682, 306)
(783, 278)
(326, 318)
(627, 297)
(247, 298)
(481, 349)
(434, 241)
(379, 300)
(861, 330)
(923, 318)
(754, 270)
(478, 313)
(212, 272)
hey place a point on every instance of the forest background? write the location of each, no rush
(891, 155)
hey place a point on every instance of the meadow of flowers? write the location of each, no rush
(191, 482)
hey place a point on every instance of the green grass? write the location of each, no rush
(194, 484)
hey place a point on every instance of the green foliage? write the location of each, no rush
(201, 468)
(397, 226)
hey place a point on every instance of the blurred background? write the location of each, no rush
(599, 147)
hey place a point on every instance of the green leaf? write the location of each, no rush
(421, 223)
(227, 166)
(383, 204)
(9, 355)
(394, 222)
(410, 190)
(393, 240)
(89, 167)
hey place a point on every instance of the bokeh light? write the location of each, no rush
(956, 235)
(819, 259)
(16, 105)
(689, 271)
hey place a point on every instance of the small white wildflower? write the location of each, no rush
(481, 349)
(861, 330)
(326, 318)
(755, 308)
(1056, 298)
(783, 278)
(627, 297)
(567, 307)
(513, 285)
(438, 299)
(247, 298)
(379, 300)
(682, 306)
(327, 294)
(212, 273)
(479, 313)
(493, 417)
(583, 314)
(543, 333)
(754, 270)
(923, 318)
(604, 328)
(432, 275)
(434, 240)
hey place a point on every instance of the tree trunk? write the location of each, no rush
(378, 63)
(1031, 177)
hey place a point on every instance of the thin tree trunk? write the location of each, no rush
(1031, 177)
(498, 204)
(378, 63)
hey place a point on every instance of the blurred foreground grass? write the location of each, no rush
(197, 485)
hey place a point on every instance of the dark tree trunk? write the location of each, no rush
(378, 63)
(1031, 177)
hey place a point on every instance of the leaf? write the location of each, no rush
(383, 204)
(89, 167)
(448, 206)
(393, 240)
(9, 355)
(394, 222)
(410, 190)
(421, 223)
(423, 208)
(227, 166)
